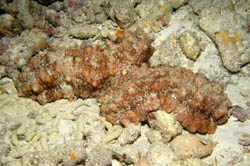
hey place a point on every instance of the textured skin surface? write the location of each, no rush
(198, 103)
(128, 89)
(79, 72)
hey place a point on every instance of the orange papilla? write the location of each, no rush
(73, 157)
(119, 32)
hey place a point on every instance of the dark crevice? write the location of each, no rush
(2, 12)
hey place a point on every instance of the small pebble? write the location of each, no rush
(244, 139)
(238, 112)
(248, 103)
(247, 112)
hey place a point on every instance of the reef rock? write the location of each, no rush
(86, 11)
(129, 134)
(159, 154)
(99, 156)
(229, 30)
(199, 5)
(9, 25)
(154, 15)
(84, 31)
(190, 45)
(165, 123)
(18, 52)
(121, 12)
(190, 146)
(177, 3)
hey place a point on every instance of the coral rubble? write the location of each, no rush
(9, 26)
(121, 12)
(190, 146)
(17, 53)
(230, 34)
(189, 44)
(128, 89)
(154, 15)
(166, 124)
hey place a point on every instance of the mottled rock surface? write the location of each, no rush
(99, 156)
(154, 15)
(190, 146)
(229, 30)
(190, 45)
(129, 134)
(177, 3)
(165, 123)
(121, 12)
(9, 25)
(169, 49)
(17, 53)
(160, 154)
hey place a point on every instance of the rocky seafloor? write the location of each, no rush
(124, 83)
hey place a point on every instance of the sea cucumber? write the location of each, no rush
(126, 86)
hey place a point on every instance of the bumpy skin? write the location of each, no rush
(80, 72)
(199, 104)
(128, 89)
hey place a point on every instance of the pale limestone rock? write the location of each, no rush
(67, 154)
(242, 8)
(17, 162)
(199, 5)
(191, 162)
(99, 156)
(110, 30)
(41, 158)
(24, 15)
(190, 146)
(75, 154)
(229, 30)
(160, 154)
(131, 153)
(154, 15)
(142, 145)
(168, 49)
(113, 134)
(9, 25)
(129, 134)
(116, 163)
(190, 44)
(22, 48)
(166, 124)
(154, 136)
(177, 3)
(96, 135)
(2, 71)
(84, 31)
(127, 154)
(121, 12)
(144, 129)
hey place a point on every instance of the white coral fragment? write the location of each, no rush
(166, 124)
